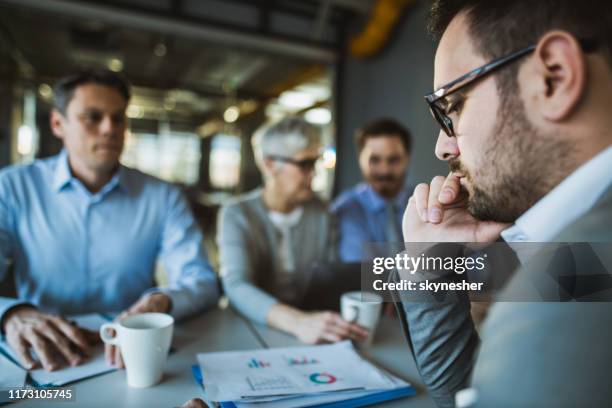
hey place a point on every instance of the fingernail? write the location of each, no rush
(446, 194)
(435, 215)
(423, 215)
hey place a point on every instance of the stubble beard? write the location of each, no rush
(519, 166)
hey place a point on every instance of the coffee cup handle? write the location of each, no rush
(355, 313)
(106, 337)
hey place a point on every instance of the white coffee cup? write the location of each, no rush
(144, 340)
(362, 308)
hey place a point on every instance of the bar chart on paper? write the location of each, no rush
(254, 363)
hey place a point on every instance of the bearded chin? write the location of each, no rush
(485, 207)
(518, 167)
(515, 185)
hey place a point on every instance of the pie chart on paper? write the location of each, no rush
(322, 378)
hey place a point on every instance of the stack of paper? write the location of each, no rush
(295, 377)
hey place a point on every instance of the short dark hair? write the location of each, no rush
(383, 127)
(63, 90)
(500, 27)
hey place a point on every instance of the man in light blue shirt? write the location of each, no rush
(372, 211)
(84, 233)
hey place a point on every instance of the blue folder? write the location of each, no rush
(371, 399)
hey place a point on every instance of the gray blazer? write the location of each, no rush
(248, 252)
(545, 354)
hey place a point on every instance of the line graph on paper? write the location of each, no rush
(269, 383)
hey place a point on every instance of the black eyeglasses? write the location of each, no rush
(306, 165)
(440, 107)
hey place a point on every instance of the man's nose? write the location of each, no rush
(446, 147)
(383, 167)
(108, 126)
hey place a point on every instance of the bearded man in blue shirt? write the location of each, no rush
(84, 232)
(372, 211)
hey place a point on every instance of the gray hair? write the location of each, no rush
(285, 138)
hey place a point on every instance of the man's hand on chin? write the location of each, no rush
(437, 212)
(152, 303)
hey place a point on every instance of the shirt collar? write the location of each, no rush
(63, 176)
(289, 219)
(375, 202)
(567, 202)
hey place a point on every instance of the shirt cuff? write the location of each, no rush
(6, 304)
(184, 304)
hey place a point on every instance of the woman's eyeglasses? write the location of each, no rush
(305, 165)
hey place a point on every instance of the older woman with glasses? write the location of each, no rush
(269, 239)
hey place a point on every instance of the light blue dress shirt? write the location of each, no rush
(77, 252)
(362, 217)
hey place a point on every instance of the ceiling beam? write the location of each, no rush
(182, 26)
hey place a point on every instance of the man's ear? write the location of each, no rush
(56, 121)
(562, 71)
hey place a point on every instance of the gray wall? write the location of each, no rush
(391, 84)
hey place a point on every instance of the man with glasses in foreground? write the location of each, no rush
(523, 91)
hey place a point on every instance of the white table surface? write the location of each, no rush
(224, 330)
(218, 330)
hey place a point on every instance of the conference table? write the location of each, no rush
(224, 330)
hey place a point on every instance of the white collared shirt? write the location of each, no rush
(284, 222)
(566, 203)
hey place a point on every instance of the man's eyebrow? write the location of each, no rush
(454, 96)
(96, 109)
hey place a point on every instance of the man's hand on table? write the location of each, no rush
(154, 302)
(437, 212)
(194, 403)
(54, 340)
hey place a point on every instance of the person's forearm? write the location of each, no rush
(441, 331)
(444, 342)
(284, 317)
(190, 298)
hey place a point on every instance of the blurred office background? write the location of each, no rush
(207, 73)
